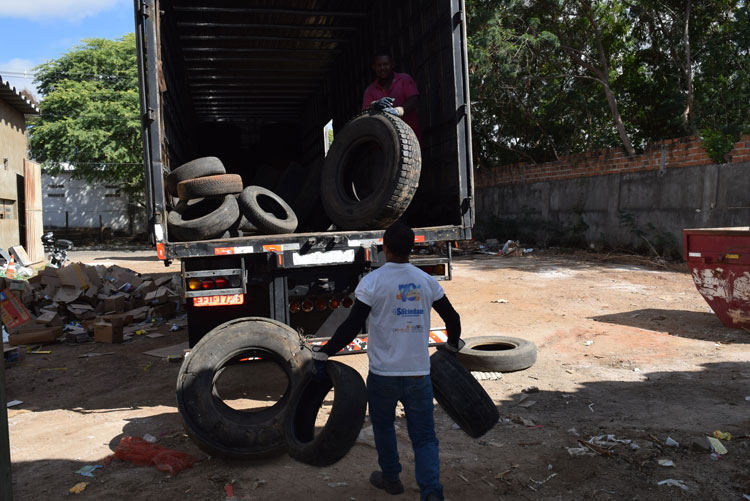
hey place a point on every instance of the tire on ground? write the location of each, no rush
(209, 186)
(461, 396)
(205, 220)
(371, 172)
(497, 354)
(267, 211)
(342, 428)
(215, 427)
(205, 166)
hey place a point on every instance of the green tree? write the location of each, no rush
(90, 114)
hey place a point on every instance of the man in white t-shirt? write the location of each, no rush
(396, 300)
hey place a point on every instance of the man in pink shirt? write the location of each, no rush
(400, 87)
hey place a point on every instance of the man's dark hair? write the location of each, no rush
(399, 239)
(382, 51)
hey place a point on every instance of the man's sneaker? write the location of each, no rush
(390, 486)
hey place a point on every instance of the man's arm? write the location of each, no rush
(348, 330)
(452, 320)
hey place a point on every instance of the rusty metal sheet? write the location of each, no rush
(32, 172)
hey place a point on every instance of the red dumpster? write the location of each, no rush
(719, 260)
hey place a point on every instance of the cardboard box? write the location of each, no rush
(49, 318)
(81, 311)
(139, 313)
(66, 294)
(48, 276)
(74, 275)
(166, 310)
(114, 304)
(12, 311)
(159, 296)
(105, 332)
(143, 289)
(20, 254)
(35, 335)
(126, 318)
(77, 337)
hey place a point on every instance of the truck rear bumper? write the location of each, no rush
(719, 261)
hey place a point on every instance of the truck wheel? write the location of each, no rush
(205, 220)
(267, 211)
(214, 426)
(209, 186)
(461, 396)
(497, 354)
(342, 428)
(206, 166)
(371, 172)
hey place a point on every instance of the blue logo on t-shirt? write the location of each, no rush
(409, 312)
(409, 292)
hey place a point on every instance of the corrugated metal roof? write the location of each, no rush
(10, 95)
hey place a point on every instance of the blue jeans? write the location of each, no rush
(415, 393)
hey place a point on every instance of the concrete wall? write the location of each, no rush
(74, 203)
(12, 148)
(667, 199)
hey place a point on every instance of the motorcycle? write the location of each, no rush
(56, 251)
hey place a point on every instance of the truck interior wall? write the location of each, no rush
(418, 32)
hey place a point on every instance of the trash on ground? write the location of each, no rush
(670, 442)
(722, 435)
(149, 438)
(579, 451)
(78, 488)
(139, 452)
(487, 376)
(665, 462)
(500, 301)
(588, 342)
(88, 470)
(338, 484)
(175, 327)
(674, 483)
(526, 404)
(717, 446)
(599, 450)
(177, 349)
(14, 403)
(530, 389)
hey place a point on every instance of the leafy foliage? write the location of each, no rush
(90, 114)
(554, 77)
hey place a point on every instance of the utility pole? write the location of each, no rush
(6, 485)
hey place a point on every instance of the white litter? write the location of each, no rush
(588, 343)
(487, 376)
(338, 484)
(579, 451)
(671, 442)
(149, 438)
(674, 483)
(665, 462)
(5, 340)
(13, 403)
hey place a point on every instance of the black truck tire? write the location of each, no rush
(461, 396)
(497, 354)
(208, 219)
(205, 166)
(344, 423)
(215, 427)
(267, 211)
(371, 172)
(209, 186)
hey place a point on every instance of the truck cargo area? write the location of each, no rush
(256, 82)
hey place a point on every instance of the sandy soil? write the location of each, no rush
(622, 350)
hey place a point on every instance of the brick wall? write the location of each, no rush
(667, 154)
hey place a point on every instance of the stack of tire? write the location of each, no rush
(214, 204)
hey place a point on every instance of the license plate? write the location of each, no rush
(234, 299)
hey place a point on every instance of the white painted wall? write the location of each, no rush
(84, 203)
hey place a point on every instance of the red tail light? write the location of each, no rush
(208, 283)
(222, 283)
(347, 302)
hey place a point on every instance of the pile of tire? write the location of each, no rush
(213, 204)
(289, 424)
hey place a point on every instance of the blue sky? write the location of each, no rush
(35, 31)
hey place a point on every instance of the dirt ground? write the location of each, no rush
(623, 350)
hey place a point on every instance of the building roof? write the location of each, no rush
(14, 98)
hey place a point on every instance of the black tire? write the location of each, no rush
(344, 424)
(461, 396)
(205, 220)
(267, 211)
(210, 186)
(215, 427)
(497, 354)
(371, 172)
(206, 166)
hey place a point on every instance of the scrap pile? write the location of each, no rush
(83, 302)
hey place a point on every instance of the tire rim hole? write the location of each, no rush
(271, 206)
(250, 382)
(202, 208)
(493, 347)
(312, 417)
(363, 170)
